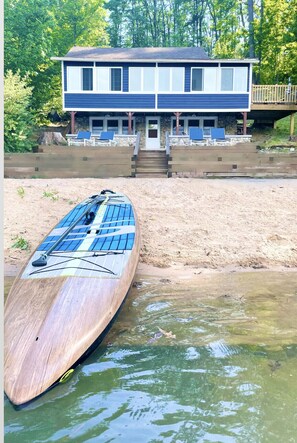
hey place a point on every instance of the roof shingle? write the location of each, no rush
(108, 54)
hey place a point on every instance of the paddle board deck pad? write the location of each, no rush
(67, 294)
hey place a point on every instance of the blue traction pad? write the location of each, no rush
(115, 217)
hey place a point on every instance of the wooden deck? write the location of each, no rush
(274, 94)
(273, 102)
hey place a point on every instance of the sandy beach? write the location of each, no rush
(188, 226)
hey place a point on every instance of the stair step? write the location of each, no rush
(150, 175)
(150, 169)
(151, 164)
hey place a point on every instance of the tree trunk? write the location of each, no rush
(51, 138)
(251, 29)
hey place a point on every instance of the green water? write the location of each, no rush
(226, 373)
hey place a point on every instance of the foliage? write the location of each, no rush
(18, 118)
(21, 191)
(20, 243)
(53, 195)
(36, 30)
(275, 138)
(263, 29)
(276, 41)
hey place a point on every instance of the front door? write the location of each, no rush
(152, 133)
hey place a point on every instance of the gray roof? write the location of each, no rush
(112, 54)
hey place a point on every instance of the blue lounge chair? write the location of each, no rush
(217, 135)
(106, 137)
(82, 138)
(196, 136)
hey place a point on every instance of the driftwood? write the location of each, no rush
(51, 138)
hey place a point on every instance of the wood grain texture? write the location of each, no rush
(50, 323)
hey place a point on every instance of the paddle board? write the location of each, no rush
(67, 294)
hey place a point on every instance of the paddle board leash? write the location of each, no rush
(96, 199)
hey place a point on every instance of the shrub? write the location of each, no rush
(18, 117)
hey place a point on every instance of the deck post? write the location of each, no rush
(130, 114)
(177, 115)
(244, 114)
(292, 122)
(72, 113)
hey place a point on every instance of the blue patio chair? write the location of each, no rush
(106, 137)
(196, 136)
(82, 138)
(217, 135)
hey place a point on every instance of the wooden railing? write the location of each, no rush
(274, 94)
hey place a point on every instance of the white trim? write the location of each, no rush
(250, 73)
(63, 84)
(160, 93)
(159, 110)
(136, 60)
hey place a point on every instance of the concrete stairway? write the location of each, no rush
(151, 164)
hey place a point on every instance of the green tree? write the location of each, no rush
(36, 30)
(18, 117)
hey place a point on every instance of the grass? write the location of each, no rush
(20, 243)
(275, 138)
(53, 195)
(21, 191)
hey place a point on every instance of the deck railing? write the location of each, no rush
(274, 94)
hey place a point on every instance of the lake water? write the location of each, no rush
(212, 360)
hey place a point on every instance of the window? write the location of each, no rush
(240, 79)
(108, 79)
(227, 79)
(96, 126)
(115, 79)
(141, 79)
(87, 79)
(113, 125)
(207, 124)
(181, 127)
(171, 79)
(119, 125)
(194, 122)
(79, 79)
(125, 127)
(204, 79)
(197, 79)
(234, 79)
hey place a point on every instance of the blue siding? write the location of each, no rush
(203, 101)
(125, 79)
(188, 79)
(109, 101)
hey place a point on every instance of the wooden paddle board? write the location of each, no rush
(68, 293)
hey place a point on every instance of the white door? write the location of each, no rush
(152, 133)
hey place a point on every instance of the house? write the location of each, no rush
(152, 91)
